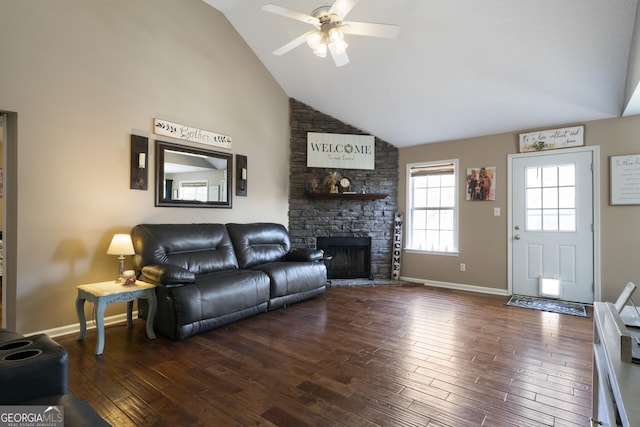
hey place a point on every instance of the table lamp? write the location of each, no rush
(121, 245)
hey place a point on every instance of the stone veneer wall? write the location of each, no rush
(311, 218)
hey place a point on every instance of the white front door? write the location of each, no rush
(552, 225)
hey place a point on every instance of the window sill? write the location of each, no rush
(421, 252)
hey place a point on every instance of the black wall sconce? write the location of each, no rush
(241, 175)
(139, 161)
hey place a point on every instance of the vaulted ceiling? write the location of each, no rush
(457, 69)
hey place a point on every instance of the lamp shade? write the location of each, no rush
(121, 244)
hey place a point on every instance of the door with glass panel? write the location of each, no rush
(552, 221)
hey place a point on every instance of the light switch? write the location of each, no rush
(496, 211)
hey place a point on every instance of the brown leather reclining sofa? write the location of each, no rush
(209, 275)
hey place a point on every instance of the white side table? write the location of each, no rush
(105, 293)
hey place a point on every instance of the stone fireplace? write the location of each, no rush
(311, 218)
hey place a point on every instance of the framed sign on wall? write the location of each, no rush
(624, 184)
(329, 150)
(191, 134)
(552, 139)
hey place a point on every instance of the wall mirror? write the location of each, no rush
(192, 177)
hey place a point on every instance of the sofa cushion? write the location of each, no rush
(259, 243)
(294, 277)
(220, 293)
(198, 248)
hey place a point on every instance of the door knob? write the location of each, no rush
(517, 227)
(516, 237)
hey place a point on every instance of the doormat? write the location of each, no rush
(552, 305)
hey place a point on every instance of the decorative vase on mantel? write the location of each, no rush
(332, 181)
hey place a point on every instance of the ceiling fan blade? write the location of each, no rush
(387, 31)
(288, 13)
(292, 44)
(340, 59)
(342, 7)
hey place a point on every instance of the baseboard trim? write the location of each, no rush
(91, 324)
(457, 286)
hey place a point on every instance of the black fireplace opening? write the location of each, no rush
(350, 256)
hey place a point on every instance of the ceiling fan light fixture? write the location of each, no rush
(327, 37)
(340, 46)
(314, 39)
(336, 35)
(330, 28)
(321, 50)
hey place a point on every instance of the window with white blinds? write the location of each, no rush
(194, 190)
(432, 203)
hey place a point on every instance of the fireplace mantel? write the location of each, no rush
(347, 196)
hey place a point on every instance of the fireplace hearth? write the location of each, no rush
(350, 257)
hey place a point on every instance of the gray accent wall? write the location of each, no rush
(311, 218)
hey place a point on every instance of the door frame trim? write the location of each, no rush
(10, 220)
(595, 153)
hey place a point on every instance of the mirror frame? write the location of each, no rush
(161, 148)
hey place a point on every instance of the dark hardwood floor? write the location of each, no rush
(357, 356)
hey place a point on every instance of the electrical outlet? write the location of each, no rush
(463, 267)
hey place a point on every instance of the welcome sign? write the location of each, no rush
(330, 150)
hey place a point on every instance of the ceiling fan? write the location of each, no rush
(330, 29)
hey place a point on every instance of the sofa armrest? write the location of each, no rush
(167, 275)
(32, 367)
(305, 254)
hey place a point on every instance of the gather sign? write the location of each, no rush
(191, 134)
(341, 151)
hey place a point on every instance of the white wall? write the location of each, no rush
(83, 75)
